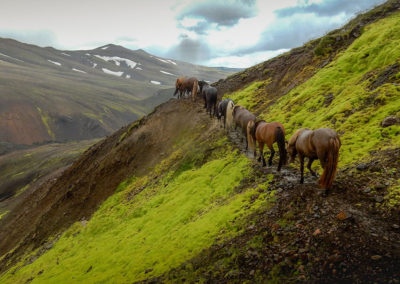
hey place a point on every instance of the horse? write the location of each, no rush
(241, 117)
(184, 84)
(267, 133)
(222, 109)
(322, 144)
(209, 94)
(229, 115)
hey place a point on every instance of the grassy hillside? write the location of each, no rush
(353, 94)
(172, 219)
(184, 203)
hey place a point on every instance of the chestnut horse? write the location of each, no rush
(322, 144)
(241, 117)
(267, 133)
(183, 84)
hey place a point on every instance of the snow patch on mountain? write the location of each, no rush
(117, 60)
(115, 73)
(155, 82)
(54, 62)
(11, 57)
(165, 72)
(66, 54)
(77, 70)
(168, 61)
(138, 68)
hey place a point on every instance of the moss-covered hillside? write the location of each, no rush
(190, 206)
(353, 94)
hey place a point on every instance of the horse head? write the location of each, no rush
(202, 83)
(291, 145)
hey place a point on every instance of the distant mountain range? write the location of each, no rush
(57, 95)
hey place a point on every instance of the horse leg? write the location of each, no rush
(310, 161)
(261, 145)
(272, 155)
(224, 121)
(301, 158)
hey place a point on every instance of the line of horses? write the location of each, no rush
(322, 144)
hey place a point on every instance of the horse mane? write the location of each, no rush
(229, 114)
(194, 90)
(293, 139)
(254, 127)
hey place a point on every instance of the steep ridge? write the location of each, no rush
(207, 212)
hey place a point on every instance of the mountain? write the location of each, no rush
(54, 95)
(174, 197)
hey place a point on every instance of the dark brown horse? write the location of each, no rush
(322, 144)
(222, 107)
(184, 84)
(210, 95)
(267, 133)
(241, 118)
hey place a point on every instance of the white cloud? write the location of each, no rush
(204, 31)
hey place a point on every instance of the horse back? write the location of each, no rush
(321, 138)
(266, 132)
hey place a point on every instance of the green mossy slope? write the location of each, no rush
(135, 235)
(352, 95)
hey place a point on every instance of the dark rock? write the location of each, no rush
(368, 189)
(390, 120)
(362, 167)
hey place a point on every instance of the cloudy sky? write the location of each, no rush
(232, 33)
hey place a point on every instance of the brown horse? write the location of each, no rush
(241, 118)
(322, 144)
(267, 133)
(184, 84)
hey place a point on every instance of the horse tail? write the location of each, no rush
(280, 140)
(176, 86)
(194, 90)
(331, 162)
(229, 115)
(251, 135)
